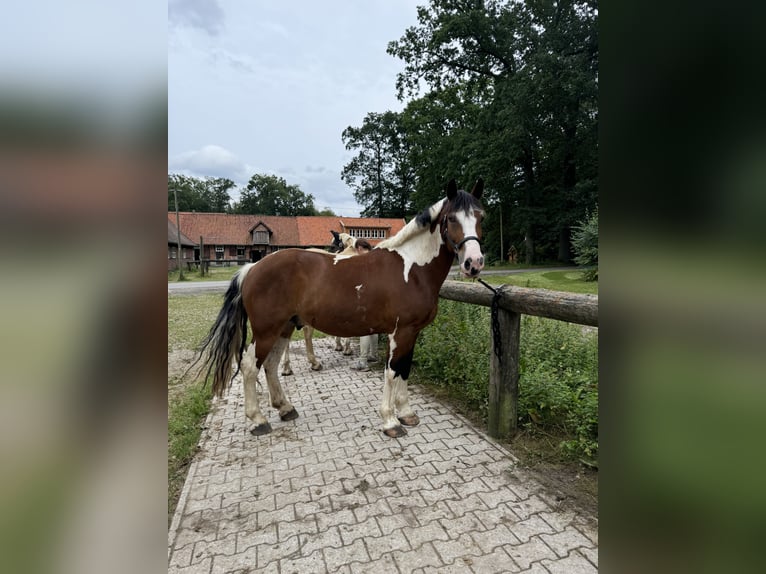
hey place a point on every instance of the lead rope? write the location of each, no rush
(497, 341)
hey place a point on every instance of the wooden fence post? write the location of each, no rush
(504, 377)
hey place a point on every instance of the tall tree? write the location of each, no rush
(208, 195)
(527, 74)
(272, 195)
(380, 174)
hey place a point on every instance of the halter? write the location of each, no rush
(448, 239)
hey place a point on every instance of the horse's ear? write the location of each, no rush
(478, 188)
(335, 235)
(451, 189)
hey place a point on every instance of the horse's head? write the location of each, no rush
(337, 244)
(460, 226)
(341, 241)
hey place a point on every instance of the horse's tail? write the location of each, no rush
(227, 337)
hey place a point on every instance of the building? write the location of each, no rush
(230, 237)
(187, 247)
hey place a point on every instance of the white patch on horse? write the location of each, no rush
(470, 249)
(359, 290)
(392, 342)
(416, 244)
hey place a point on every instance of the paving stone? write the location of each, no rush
(575, 563)
(563, 542)
(329, 493)
(532, 551)
(493, 562)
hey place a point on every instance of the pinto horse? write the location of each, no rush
(395, 287)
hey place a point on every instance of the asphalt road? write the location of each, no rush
(179, 288)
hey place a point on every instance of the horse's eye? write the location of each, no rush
(452, 219)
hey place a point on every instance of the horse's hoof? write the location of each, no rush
(287, 373)
(289, 415)
(316, 367)
(348, 353)
(261, 430)
(395, 432)
(410, 421)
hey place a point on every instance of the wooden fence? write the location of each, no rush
(512, 302)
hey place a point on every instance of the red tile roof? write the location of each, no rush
(173, 236)
(302, 231)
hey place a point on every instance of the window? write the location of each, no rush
(240, 252)
(367, 233)
(261, 237)
(219, 252)
(172, 253)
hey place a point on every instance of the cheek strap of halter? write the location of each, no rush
(456, 246)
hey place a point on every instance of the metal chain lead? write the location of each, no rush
(497, 341)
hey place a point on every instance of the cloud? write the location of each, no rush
(214, 161)
(206, 15)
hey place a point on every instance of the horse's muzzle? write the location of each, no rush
(473, 259)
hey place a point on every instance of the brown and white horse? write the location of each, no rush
(395, 288)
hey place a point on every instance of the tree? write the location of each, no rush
(208, 195)
(585, 244)
(271, 195)
(513, 96)
(380, 174)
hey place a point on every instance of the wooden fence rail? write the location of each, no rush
(512, 303)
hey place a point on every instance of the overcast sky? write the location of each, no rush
(268, 87)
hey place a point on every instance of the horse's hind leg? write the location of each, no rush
(278, 399)
(338, 344)
(287, 369)
(347, 350)
(252, 408)
(308, 334)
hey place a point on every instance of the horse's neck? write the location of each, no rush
(428, 256)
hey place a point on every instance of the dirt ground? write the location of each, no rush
(178, 363)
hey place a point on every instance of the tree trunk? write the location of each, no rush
(529, 247)
(565, 253)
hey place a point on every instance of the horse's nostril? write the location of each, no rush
(467, 264)
(474, 271)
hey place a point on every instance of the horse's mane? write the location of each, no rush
(416, 226)
(427, 218)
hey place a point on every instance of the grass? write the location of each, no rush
(214, 274)
(184, 430)
(189, 318)
(570, 281)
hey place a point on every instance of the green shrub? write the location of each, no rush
(558, 383)
(585, 245)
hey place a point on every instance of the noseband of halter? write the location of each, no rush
(448, 239)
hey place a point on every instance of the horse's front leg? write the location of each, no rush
(308, 334)
(278, 399)
(395, 397)
(250, 370)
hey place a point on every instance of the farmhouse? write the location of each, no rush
(228, 237)
(187, 247)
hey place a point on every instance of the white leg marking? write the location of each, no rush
(387, 408)
(287, 369)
